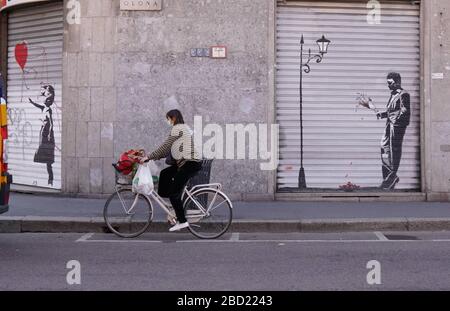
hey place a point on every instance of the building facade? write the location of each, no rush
(367, 111)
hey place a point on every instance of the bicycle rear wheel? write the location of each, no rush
(128, 214)
(216, 221)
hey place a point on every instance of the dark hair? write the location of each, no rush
(396, 77)
(49, 101)
(175, 114)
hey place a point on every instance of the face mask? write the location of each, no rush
(393, 86)
(169, 122)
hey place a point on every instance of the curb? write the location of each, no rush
(33, 224)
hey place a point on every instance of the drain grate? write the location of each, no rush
(401, 237)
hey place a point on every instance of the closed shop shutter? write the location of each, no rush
(35, 47)
(342, 142)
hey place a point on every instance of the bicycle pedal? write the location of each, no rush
(172, 221)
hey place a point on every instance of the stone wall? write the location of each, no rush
(436, 99)
(124, 70)
(89, 96)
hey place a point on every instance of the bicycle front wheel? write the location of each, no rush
(128, 214)
(217, 219)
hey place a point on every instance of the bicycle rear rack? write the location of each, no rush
(214, 186)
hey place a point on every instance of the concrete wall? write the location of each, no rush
(124, 70)
(436, 42)
(90, 98)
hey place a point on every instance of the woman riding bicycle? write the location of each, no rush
(185, 163)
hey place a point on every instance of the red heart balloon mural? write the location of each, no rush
(21, 53)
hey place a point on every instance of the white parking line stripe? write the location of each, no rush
(381, 236)
(278, 241)
(120, 241)
(85, 237)
(268, 241)
(310, 241)
(235, 236)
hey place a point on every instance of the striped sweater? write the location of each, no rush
(179, 139)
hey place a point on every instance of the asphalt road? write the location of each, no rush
(409, 261)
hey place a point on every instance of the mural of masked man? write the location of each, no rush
(397, 115)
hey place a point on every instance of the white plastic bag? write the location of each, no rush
(143, 180)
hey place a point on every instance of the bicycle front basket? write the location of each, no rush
(122, 179)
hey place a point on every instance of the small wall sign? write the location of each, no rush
(200, 52)
(141, 5)
(219, 52)
(437, 76)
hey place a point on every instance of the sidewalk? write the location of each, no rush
(38, 213)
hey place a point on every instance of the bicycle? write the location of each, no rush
(129, 215)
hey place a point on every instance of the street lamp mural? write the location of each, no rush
(305, 67)
(397, 115)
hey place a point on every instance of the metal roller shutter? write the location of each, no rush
(342, 142)
(35, 47)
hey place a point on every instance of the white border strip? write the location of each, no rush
(268, 241)
(121, 241)
(381, 236)
(85, 237)
(310, 241)
(234, 237)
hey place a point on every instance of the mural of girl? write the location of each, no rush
(46, 151)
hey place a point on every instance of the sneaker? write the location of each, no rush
(383, 185)
(179, 226)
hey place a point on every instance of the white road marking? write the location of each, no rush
(310, 241)
(85, 237)
(267, 241)
(121, 241)
(235, 236)
(277, 241)
(381, 236)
